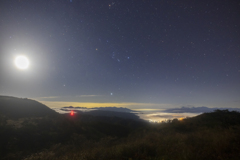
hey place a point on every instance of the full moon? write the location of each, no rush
(21, 62)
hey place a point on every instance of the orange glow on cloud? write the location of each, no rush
(59, 104)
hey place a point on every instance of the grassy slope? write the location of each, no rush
(207, 136)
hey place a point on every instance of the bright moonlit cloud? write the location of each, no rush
(58, 104)
(21, 62)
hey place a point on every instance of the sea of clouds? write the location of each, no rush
(152, 115)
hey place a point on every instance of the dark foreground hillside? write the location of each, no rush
(88, 137)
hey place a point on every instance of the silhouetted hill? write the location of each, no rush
(103, 113)
(216, 119)
(96, 136)
(221, 118)
(13, 107)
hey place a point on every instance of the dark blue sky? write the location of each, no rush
(159, 52)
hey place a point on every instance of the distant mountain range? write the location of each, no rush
(106, 113)
(13, 107)
(103, 112)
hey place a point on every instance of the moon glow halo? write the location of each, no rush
(21, 62)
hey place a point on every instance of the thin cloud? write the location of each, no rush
(85, 96)
(58, 104)
(116, 109)
(50, 97)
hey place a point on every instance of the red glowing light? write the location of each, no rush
(71, 113)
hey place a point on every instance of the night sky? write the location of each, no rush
(140, 54)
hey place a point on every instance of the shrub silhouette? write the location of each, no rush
(207, 136)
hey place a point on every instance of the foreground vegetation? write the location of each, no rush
(207, 136)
